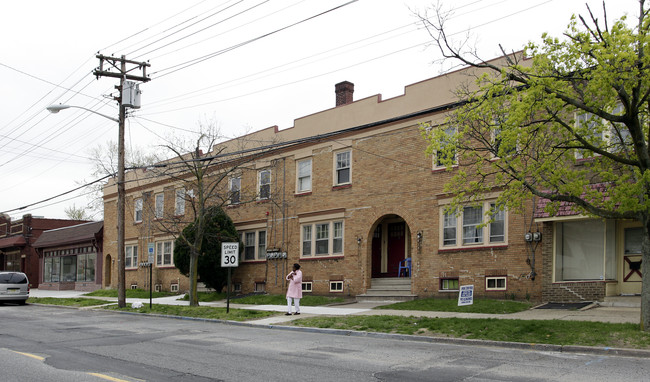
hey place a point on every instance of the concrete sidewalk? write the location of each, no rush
(591, 313)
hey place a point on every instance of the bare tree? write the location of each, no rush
(203, 167)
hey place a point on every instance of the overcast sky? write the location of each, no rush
(48, 53)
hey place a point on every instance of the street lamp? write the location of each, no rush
(57, 108)
(121, 270)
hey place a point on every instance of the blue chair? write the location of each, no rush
(404, 265)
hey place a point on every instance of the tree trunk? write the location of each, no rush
(194, 266)
(645, 272)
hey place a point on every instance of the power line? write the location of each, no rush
(198, 60)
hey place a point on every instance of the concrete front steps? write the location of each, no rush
(393, 289)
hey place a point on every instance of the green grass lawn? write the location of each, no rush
(451, 305)
(198, 311)
(527, 331)
(76, 301)
(278, 299)
(130, 293)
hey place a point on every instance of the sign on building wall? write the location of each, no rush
(466, 295)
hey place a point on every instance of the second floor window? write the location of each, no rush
(447, 151)
(264, 180)
(342, 167)
(138, 210)
(160, 205)
(304, 175)
(179, 208)
(235, 190)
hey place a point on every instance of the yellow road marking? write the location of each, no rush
(30, 355)
(108, 377)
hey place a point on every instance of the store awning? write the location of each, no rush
(12, 241)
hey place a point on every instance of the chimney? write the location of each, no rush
(344, 91)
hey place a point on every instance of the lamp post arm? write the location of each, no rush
(59, 107)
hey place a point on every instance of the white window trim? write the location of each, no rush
(179, 202)
(134, 265)
(335, 177)
(259, 184)
(443, 279)
(307, 287)
(459, 229)
(607, 138)
(257, 255)
(138, 206)
(336, 290)
(171, 246)
(330, 244)
(230, 190)
(298, 177)
(437, 166)
(159, 209)
(505, 283)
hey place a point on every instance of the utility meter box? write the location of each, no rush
(131, 94)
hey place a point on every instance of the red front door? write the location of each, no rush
(396, 244)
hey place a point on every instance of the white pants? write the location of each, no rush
(296, 303)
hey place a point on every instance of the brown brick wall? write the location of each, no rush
(391, 176)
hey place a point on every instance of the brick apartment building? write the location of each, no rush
(350, 194)
(17, 237)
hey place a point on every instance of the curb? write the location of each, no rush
(572, 349)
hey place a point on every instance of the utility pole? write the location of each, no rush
(123, 74)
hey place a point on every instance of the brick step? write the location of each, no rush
(384, 298)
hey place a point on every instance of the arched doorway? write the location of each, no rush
(390, 245)
(108, 265)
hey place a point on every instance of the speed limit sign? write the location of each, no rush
(229, 254)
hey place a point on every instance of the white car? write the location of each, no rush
(14, 287)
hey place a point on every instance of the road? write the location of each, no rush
(41, 343)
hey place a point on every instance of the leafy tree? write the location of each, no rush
(218, 228)
(567, 118)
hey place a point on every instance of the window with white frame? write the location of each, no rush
(497, 224)
(160, 205)
(131, 256)
(307, 286)
(179, 205)
(235, 190)
(264, 182)
(254, 245)
(447, 151)
(342, 167)
(495, 283)
(303, 183)
(137, 216)
(260, 287)
(587, 125)
(164, 253)
(472, 226)
(336, 286)
(322, 239)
